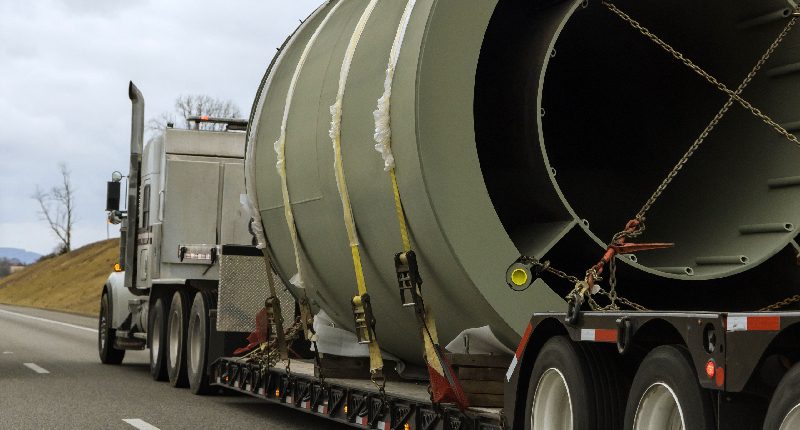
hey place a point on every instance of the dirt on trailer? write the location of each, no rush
(70, 283)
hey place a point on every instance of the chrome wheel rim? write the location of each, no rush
(195, 343)
(792, 419)
(174, 338)
(552, 404)
(659, 409)
(155, 339)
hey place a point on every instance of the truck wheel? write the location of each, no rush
(106, 335)
(158, 336)
(574, 386)
(197, 345)
(666, 395)
(176, 341)
(784, 409)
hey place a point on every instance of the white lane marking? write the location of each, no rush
(8, 352)
(3, 311)
(140, 424)
(36, 368)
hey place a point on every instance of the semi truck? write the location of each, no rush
(183, 197)
(602, 195)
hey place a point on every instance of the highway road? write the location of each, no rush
(52, 378)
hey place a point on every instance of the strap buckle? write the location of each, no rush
(408, 278)
(364, 319)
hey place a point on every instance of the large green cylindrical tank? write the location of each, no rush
(536, 128)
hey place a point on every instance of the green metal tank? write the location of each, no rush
(535, 128)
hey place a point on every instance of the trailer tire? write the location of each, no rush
(585, 380)
(177, 323)
(197, 345)
(106, 335)
(784, 409)
(666, 389)
(158, 336)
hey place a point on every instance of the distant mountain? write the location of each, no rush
(26, 257)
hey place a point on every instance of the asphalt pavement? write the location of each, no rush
(51, 378)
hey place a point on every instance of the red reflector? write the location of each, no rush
(524, 342)
(605, 335)
(711, 368)
(771, 323)
(204, 117)
(720, 377)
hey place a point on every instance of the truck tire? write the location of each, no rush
(784, 409)
(197, 345)
(177, 323)
(106, 335)
(574, 386)
(666, 394)
(158, 337)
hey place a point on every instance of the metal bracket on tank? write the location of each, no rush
(364, 320)
(408, 279)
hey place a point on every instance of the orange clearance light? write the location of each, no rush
(345, 408)
(117, 267)
(277, 392)
(204, 117)
(711, 368)
(406, 426)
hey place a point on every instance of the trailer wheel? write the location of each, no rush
(784, 409)
(176, 341)
(106, 335)
(574, 386)
(158, 337)
(197, 345)
(665, 394)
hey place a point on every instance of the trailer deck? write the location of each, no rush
(355, 402)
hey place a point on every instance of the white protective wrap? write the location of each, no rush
(336, 341)
(336, 123)
(383, 127)
(250, 155)
(478, 340)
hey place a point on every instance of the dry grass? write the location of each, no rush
(71, 282)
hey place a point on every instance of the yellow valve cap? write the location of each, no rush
(117, 267)
(519, 277)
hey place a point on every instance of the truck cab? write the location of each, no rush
(184, 191)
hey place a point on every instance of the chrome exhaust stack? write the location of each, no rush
(134, 176)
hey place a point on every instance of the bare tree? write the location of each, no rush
(57, 207)
(187, 106)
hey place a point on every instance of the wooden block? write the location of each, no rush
(475, 360)
(334, 366)
(483, 387)
(485, 400)
(481, 373)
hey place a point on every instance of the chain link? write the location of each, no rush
(734, 95)
(581, 287)
(781, 304)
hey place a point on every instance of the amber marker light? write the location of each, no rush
(711, 368)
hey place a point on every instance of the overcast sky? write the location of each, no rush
(64, 72)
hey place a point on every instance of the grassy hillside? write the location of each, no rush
(71, 282)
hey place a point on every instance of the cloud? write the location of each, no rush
(63, 87)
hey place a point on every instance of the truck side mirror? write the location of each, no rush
(112, 196)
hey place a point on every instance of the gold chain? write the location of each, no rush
(733, 96)
(269, 356)
(781, 304)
